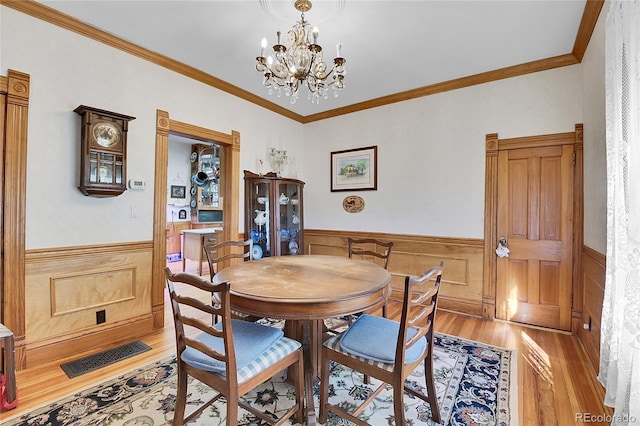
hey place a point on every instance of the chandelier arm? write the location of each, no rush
(280, 70)
(320, 75)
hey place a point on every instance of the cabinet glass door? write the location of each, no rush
(258, 207)
(289, 218)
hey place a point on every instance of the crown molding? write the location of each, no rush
(587, 25)
(45, 13)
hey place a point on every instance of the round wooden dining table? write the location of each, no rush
(304, 290)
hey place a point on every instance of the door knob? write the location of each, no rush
(502, 250)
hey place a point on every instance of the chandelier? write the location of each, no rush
(301, 63)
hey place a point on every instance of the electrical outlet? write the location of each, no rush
(101, 317)
(587, 325)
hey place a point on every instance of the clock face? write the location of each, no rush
(106, 134)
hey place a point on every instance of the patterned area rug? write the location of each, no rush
(476, 385)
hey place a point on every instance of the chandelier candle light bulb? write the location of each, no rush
(301, 63)
(263, 45)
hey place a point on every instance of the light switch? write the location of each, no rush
(134, 211)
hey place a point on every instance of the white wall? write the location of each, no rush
(178, 173)
(431, 150)
(595, 160)
(431, 153)
(68, 70)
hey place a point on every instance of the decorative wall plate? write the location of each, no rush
(256, 252)
(353, 204)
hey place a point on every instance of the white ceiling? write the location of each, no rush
(390, 46)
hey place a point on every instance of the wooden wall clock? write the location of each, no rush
(103, 152)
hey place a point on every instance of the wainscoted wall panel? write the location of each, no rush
(65, 287)
(593, 278)
(413, 255)
(91, 290)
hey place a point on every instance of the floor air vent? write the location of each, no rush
(102, 359)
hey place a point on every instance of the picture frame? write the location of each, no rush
(178, 191)
(354, 169)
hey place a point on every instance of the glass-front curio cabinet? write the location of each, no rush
(274, 217)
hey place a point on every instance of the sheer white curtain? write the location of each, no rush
(620, 338)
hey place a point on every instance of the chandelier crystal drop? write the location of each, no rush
(301, 63)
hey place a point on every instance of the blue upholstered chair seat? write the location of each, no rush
(256, 347)
(373, 338)
(388, 350)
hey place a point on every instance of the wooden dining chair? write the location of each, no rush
(226, 250)
(365, 348)
(365, 248)
(232, 356)
(371, 248)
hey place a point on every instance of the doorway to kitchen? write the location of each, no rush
(194, 198)
(230, 186)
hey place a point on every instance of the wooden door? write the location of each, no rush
(535, 216)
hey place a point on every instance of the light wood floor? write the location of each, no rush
(556, 383)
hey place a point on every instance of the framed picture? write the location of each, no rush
(182, 214)
(354, 169)
(178, 191)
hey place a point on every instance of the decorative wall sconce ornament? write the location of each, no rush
(278, 159)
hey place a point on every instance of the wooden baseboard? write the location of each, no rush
(593, 281)
(87, 340)
(459, 306)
